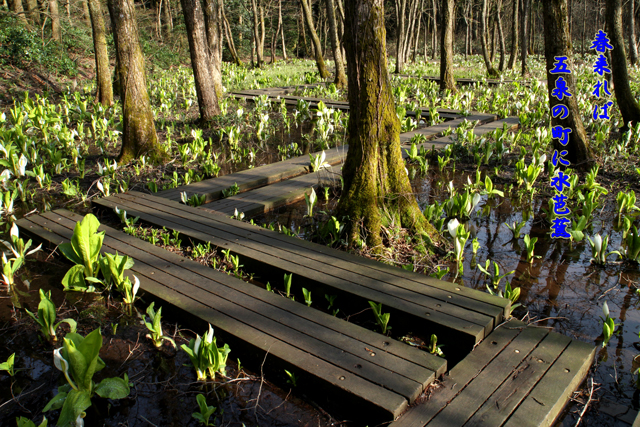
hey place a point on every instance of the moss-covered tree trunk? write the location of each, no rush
(374, 172)
(626, 101)
(446, 46)
(54, 14)
(514, 35)
(557, 42)
(483, 41)
(138, 129)
(315, 40)
(103, 72)
(200, 59)
(341, 78)
(215, 36)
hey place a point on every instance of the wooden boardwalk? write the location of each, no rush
(345, 368)
(519, 376)
(461, 317)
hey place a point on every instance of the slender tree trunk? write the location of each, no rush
(86, 16)
(256, 33)
(503, 48)
(200, 59)
(483, 41)
(374, 173)
(446, 50)
(417, 37)
(492, 44)
(214, 26)
(341, 78)
(557, 42)
(55, 20)
(322, 69)
(274, 42)
(633, 46)
(409, 34)
(434, 34)
(18, 9)
(138, 129)
(532, 17)
(584, 27)
(103, 72)
(401, 6)
(230, 43)
(34, 11)
(524, 36)
(514, 35)
(280, 24)
(626, 101)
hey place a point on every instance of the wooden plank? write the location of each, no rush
(438, 313)
(158, 277)
(467, 402)
(545, 402)
(474, 300)
(461, 375)
(450, 293)
(270, 318)
(508, 396)
(253, 178)
(381, 345)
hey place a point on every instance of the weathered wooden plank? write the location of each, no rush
(437, 130)
(460, 409)
(438, 313)
(147, 274)
(458, 295)
(545, 402)
(382, 346)
(461, 375)
(223, 292)
(486, 125)
(253, 178)
(508, 396)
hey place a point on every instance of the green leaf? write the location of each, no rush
(87, 242)
(77, 363)
(74, 405)
(68, 251)
(56, 402)
(74, 279)
(90, 348)
(113, 388)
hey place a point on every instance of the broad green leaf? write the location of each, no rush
(68, 251)
(77, 363)
(86, 242)
(74, 405)
(113, 388)
(90, 348)
(74, 279)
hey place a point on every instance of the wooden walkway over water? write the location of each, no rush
(503, 374)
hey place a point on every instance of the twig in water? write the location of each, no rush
(586, 405)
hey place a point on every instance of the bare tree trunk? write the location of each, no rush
(514, 35)
(200, 59)
(434, 34)
(103, 71)
(417, 36)
(274, 41)
(446, 50)
(503, 48)
(557, 42)
(322, 69)
(18, 9)
(633, 46)
(483, 41)
(524, 36)
(373, 169)
(34, 12)
(230, 43)
(409, 34)
(138, 129)
(626, 101)
(86, 15)
(284, 45)
(401, 6)
(55, 20)
(257, 36)
(213, 26)
(492, 43)
(341, 78)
